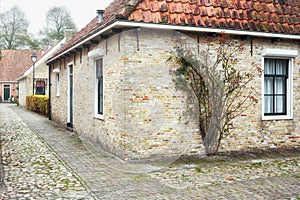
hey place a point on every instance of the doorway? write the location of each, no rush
(6, 90)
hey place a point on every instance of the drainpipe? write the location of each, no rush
(49, 91)
(18, 99)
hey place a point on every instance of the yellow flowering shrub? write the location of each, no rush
(37, 103)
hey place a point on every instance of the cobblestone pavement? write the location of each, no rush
(41, 160)
(31, 169)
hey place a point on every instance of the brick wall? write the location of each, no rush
(145, 115)
(250, 131)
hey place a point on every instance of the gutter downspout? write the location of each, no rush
(49, 91)
(18, 93)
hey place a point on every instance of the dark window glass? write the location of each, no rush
(40, 88)
(275, 86)
(99, 85)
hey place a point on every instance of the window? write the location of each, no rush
(277, 95)
(40, 88)
(275, 86)
(97, 56)
(99, 86)
(57, 85)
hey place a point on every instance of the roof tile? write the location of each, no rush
(276, 16)
(15, 62)
(187, 8)
(145, 5)
(257, 12)
(163, 7)
(156, 17)
(154, 6)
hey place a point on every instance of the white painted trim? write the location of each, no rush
(84, 41)
(280, 53)
(207, 30)
(57, 84)
(43, 59)
(96, 115)
(69, 95)
(56, 70)
(290, 101)
(8, 81)
(179, 28)
(96, 53)
(270, 118)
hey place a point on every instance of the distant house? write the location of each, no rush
(111, 83)
(41, 73)
(12, 64)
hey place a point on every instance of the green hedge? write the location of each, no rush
(37, 103)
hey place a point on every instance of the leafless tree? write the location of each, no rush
(58, 19)
(13, 29)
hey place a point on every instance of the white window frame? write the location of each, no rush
(71, 64)
(96, 55)
(57, 85)
(56, 71)
(280, 54)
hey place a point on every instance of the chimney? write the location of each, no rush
(68, 33)
(100, 15)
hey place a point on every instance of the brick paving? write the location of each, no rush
(102, 181)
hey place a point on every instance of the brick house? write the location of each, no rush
(111, 83)
(12, 64)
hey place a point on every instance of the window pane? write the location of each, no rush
(99, 86)
(40, 91)
(269, 67)
(100, 96)
(281, 67)
(57, 84)
(280, 85)
(280, 104)
(268, 85)
(99, 67)
(268, 104)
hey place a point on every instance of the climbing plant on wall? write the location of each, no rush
(213, 74)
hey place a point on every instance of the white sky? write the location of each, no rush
(82, 12)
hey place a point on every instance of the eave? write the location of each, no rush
(134, 24)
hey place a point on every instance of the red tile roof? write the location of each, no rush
(14, 63)
(109, 16)
(274, 16)
(269, 16)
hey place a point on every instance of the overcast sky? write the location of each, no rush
(82, 12)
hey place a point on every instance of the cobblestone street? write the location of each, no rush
(42, 160)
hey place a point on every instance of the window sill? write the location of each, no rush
(99, 117)
(284, 117)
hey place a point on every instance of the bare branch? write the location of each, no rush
(217, 84)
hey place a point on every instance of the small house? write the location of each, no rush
(41, 72)
(12, 64)
(112, 85)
